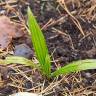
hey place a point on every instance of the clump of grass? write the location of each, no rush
(43, 57)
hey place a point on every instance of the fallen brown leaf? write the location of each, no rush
(8, 30)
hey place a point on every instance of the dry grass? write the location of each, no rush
(58, 86)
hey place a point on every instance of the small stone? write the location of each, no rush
(23, 50)
(28, 84)
(86, 75)
(25, 94)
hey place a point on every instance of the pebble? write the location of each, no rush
(23, 50)
(86, 74)
(25, 94)
(28, 84)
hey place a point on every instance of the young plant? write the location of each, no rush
(43, 57)
(39, 44)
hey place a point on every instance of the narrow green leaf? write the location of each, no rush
(47, 68)
(76, 66)
(19, 60)
(39, 43)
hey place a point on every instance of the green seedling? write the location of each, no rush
(39, 44)
(41, 51)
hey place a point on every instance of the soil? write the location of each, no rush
(67, 41)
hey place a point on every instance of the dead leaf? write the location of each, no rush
(8, 30)
(93, 2)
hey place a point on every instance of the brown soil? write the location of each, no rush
(70, 31)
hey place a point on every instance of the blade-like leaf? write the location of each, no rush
(46, 66)
(19, 60)
(76, 66)
(39, 43)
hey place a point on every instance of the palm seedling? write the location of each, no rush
(41, 51)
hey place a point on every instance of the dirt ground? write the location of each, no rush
(69, 27)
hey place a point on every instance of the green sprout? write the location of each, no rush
(41, 51)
